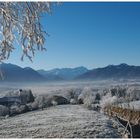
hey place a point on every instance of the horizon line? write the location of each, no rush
(72, 67)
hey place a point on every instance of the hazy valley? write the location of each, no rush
(77, 112)
(66, 103)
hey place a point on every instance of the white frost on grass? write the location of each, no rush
(63, 121)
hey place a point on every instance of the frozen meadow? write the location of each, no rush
(77, 113)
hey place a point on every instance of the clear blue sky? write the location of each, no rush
(88, 34)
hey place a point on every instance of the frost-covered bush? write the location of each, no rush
(23, 108)
(96, 107)
(25, 96)
(72, 93)
(125, 93)
(73, 101)
(108, 100)
(115, 95)
(97, 97)
(113, 91)
(105, 91)
(89, 101)
(59, 100)
(4, 110)
(118, 91)
(42, 101)
(87, 95)
(133, 94)
(33, 106)
(14, 110)
(54, 103)
(122, 92)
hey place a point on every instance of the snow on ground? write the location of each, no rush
(63, 121)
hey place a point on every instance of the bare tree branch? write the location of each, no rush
(20, 23)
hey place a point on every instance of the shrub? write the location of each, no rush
(72, 93)
(23, 108)
(32, 106)
(89, 101)
(73, 101)
(87, 96)
(25, 96)
(14, 110)
(113, 91)
(108, 100)
(43, 101)
(122, 92)
(59, 100)
(97, 97)
(4, 110)
(133, 94)
(54, 103)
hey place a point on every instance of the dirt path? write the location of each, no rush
(65, 121)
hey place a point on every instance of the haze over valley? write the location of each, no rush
(14, 73)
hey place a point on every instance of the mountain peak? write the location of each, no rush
(14, 73)
(64, 73)
(122, 64)
(121, 71)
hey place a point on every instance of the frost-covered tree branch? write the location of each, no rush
(20, 24)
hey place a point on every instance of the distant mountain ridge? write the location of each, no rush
(123, 71)
(14, 73)
(64, 73)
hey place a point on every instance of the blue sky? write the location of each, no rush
(88, 34)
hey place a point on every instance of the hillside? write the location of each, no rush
(64, 73)
(14, 73)
(122, 71)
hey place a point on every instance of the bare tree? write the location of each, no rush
(20, 24)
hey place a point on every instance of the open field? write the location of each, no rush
(64, 121)
(70, 120)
